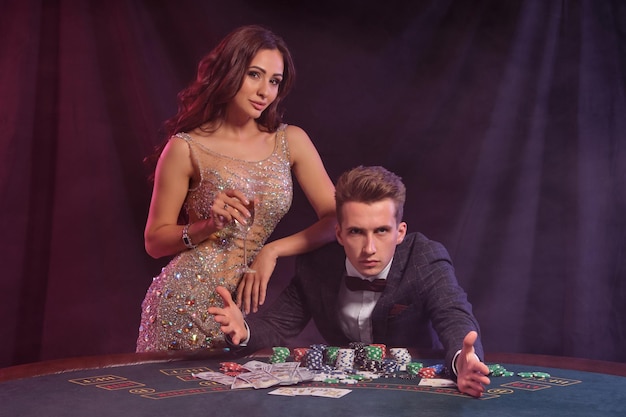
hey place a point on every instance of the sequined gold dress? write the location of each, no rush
(174, 311)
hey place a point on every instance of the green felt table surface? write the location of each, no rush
(166, 388)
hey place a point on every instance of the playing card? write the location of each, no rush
(287, 392)
(330, 392)
(437, 382)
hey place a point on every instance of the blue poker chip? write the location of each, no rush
(439, 368)
(318, 347)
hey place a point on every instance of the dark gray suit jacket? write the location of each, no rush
(422, 290)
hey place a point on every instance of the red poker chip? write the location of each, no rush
(299, 354)
(231, 367)
(427, 373)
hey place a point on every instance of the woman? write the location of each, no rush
(228, 156)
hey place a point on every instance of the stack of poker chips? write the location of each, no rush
(330, 355)
(345, 359)
(373, 352)
(359, 361)
(299, 353)
(231, 368)
(390, 366)
(280, 355)
(402, 357)
(383, 348)
(360, 354)
(371, 365)
(314, 358)
(371, 359)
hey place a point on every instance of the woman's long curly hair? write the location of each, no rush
(219, 78)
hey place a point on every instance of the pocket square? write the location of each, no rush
(397, 309)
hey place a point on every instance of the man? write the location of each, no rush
(415, 286)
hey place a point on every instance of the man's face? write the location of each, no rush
(369, 234)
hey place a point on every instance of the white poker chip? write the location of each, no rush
(349, 381)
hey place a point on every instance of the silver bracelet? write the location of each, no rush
(186, 239)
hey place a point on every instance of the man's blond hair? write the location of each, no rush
(370, 184)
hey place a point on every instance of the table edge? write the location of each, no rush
(58, 366)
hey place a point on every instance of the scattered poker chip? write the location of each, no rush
(541, 375)
(368, 375)
(525, 374)
(439, 368)
(414, 367)
(498, 370)
(427, 373)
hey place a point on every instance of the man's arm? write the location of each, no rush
(471, 372)
(276, 324)
(230, 318)
(445, 301)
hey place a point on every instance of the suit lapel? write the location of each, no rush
(329, 292)
(386, 300)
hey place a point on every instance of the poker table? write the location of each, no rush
(161, 384)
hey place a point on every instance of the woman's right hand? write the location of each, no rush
(228, 206)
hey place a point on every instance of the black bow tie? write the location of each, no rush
(359, 284)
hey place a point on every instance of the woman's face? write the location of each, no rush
(260, 84)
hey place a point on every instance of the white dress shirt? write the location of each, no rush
(355, 307)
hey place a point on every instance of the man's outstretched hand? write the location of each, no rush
(471, 372)
(229, 317)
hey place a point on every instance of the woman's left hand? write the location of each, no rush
(253, 286)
